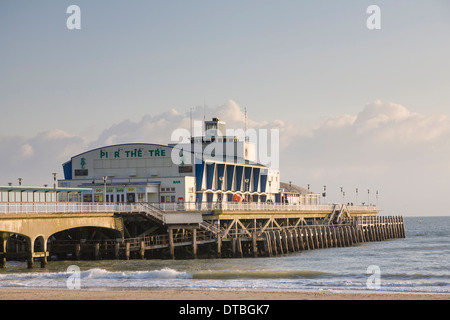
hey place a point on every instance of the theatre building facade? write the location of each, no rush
(145, 172)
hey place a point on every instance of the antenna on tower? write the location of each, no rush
(245, 120)
(204, 117)
(190, 122)
(204, 110)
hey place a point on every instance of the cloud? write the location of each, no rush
(35, 158)
(27, 150)
(385, 147)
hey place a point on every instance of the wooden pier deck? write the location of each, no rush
(146, 231)
(227, 243)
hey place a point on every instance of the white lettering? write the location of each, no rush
(374, 281)
(74, 20)
(73, 282)
(374, 21)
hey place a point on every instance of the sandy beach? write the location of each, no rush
(36, 294)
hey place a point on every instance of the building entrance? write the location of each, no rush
(131, 197)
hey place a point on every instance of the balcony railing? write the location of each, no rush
(77, 207)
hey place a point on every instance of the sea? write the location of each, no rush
(417, 264)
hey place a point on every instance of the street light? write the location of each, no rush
(368, 196)
(105, 178)
(54, 185)
(377, 197)
(356, 196)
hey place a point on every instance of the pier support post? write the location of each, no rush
(30, 260)
(301, 239)
(194, 242)
(219, 246)
(254, 244)
(309, 245)
(315, 238)
(127, 251)
(97, 251)
(403, 227)
(3, 242)
(142, 249)
(116, 250)
(273, 243)
(267, 246)
(78, 251)
(279, 242)
(171, 244)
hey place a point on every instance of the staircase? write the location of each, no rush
(209, 227)
(338, 212)
(152, 213)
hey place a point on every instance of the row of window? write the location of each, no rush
(166, 199)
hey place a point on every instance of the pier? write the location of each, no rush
(39, 231)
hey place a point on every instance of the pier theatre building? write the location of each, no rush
(146, 172)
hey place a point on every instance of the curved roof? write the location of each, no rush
(122, 145)
(289, 187)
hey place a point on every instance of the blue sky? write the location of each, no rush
(303, 63)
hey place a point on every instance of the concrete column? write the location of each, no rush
(3, 242)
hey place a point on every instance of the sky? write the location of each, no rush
(356, 107)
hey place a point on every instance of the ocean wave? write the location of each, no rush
(165, 273)
(259, 274)
(97, 273)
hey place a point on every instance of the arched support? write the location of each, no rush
(3, 241)
(38, 250)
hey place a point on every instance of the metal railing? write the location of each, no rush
(255, 206)
(157, 209)
(67, 207)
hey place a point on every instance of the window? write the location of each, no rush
(81, 172)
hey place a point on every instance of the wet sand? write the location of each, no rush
(38, 294)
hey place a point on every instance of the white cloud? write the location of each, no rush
(27, 150)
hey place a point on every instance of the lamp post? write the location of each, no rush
(377, 197)
(368, 196)
(356, 196)
(342, 197)
(54, 185)
(20, 181)
(105, 178)
(324, 194)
